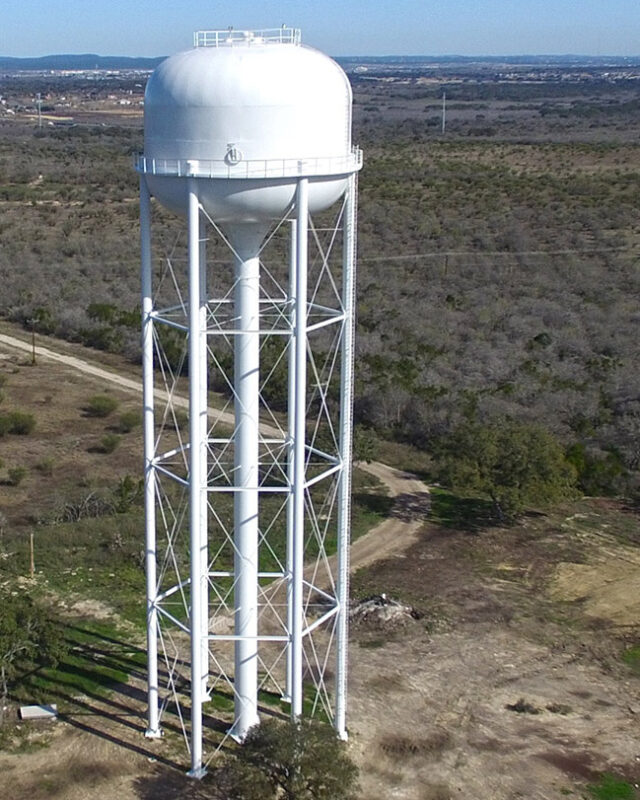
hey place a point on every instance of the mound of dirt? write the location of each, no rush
(608, 586)
(381, 611)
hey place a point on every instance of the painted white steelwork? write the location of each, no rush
(248, 136)
(281, 35)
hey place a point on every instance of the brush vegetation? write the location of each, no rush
(495, 264)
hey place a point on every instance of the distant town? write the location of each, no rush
(68, 90)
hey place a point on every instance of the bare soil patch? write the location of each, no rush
(505, 687)
(608, 586)
(499, 689)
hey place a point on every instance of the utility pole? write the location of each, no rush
(39, 107)
(33, 341)
(444, 112)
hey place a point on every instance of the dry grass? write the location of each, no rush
(62, 454)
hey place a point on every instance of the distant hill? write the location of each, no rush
(88, 61)
(78, 61)
(516, 60)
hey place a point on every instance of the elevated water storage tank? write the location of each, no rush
(253, 111)
(252, 128)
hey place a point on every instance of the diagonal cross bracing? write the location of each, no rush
(326, 315)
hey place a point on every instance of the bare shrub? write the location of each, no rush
(101, 405)
(128, 421)
(16, 475)
(109, 442)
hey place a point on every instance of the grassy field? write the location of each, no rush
(81, 500)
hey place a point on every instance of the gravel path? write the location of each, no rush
(391, 536)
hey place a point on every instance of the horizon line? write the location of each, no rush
(351, 55)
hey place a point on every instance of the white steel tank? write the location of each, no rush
(253, 111)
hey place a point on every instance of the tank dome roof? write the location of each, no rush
(248, 114)
(267, 99)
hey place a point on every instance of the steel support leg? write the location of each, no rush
(153, 729)
(291, 400)
(299, 440)
(346, 437)
(204, 453)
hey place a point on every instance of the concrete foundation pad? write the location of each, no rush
(39, 712)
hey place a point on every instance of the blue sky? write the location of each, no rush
(339, 27)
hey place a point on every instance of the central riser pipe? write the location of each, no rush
(196, 478)
(246, 463)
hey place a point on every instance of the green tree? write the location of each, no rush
(516, 464)
(611, 787)
(365, 444)
(28, 634)
(598, 473)
(279, 760)
(18, 422)
(128, 492)
(109, 443)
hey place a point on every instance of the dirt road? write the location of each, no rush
(391, 536)
(400, 530)
(78, 364)
(128, 384)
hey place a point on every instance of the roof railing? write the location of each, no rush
(231, 37)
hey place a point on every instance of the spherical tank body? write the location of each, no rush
(247, 118)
